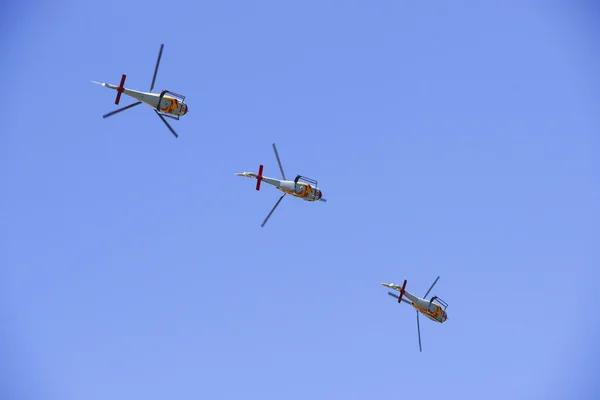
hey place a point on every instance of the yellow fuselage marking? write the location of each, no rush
(172, 106)
(434, 314)
(305, 193)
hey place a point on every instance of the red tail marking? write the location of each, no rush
(402, 292)
(259, 177)
(120, 89)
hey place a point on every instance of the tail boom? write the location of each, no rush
(260, 178)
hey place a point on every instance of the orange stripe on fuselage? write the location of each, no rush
(305, 193)
(434, 314)
(171, 107)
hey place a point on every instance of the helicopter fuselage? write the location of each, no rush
(165, 104)
(429, 308)
(434, 308)
(299, 189)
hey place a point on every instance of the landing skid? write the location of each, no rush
(443, 305)
(310, 181)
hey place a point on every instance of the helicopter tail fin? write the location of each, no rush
(120, 89)
(259, 177)
(402, 291)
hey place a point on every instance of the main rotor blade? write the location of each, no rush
(432, 285)
(279, 162)
(121, 109)
(168, 125)
(156, 68)
(269, 216)
(419, 331)
(396, 296)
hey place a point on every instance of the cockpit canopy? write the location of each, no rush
(184, 108)
(317, 194)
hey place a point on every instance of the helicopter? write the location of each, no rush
(165, 104)
(434, 308)
(301, 187)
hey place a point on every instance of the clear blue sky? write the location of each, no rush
(459, 141)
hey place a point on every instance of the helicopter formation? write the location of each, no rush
(172, 105)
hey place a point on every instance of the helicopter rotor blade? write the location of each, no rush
(121, 109)
(432, 285)
(273, 209)
(419, 332)
(168, 125)
(279, 162)
(156, 68)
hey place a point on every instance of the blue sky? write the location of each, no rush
(458, 141)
